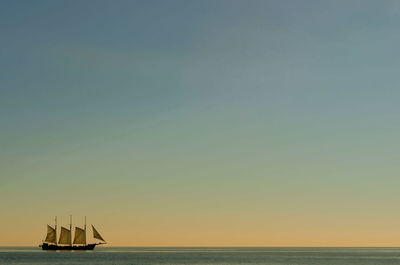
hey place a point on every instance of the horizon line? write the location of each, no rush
(136, 246)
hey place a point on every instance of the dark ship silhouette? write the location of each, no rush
(65, 240)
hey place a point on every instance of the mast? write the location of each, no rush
(85, 230)
(70, 228)
(55, 227)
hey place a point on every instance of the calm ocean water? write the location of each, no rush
(204, 256)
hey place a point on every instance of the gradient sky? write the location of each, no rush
(201, 123)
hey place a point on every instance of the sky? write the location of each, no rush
(201, 123)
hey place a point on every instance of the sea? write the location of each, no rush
(202, 256)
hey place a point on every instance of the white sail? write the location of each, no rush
(65, 236)
(80, 236)
(96, 234)
(51, 235)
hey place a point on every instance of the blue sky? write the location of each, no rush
(231, 106)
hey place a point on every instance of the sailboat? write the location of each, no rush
(65, 241)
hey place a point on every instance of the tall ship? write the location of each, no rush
(65, 239)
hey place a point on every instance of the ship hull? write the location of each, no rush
(46, 246)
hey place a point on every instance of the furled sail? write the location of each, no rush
(51, 235)
(96, 234)
(80, 236)
(65, 236)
